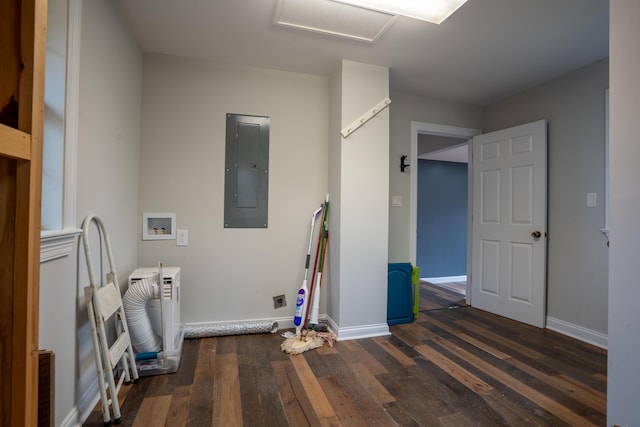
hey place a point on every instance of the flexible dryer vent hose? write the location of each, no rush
(230, 328)
(135, 300)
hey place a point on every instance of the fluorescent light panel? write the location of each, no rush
(434, 11)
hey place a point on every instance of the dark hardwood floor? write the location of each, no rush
(454, 366)
(456, 287)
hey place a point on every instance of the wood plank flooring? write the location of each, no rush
(457, 287)
(454, 366)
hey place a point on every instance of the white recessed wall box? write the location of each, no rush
(158, 226)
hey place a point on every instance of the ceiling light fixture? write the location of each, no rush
(434, 11)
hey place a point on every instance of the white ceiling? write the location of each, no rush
(484, 52)
(457, 154)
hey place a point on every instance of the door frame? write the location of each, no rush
(426, 128)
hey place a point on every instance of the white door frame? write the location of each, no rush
(439, 130)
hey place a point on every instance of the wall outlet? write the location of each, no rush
(279, 301)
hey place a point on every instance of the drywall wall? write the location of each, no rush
(107, 175)
(574, 106)
(435, 143)
(334, 303)
(404, 109)
(623, 375)
(60, 308)
(442, 219)
(359, 221)
(230, 274)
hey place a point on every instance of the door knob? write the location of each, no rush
(536, 234)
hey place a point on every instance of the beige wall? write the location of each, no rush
(230, 274)
(404, 109)
(623, 375)
(164, 151)
(107, 185)
(574, 106)
(358, 220)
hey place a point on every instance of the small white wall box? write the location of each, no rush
(158, 226)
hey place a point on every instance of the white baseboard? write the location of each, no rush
(446, 279)
(285, 322)
(578, 332)
(79, 414)
(71, 420)
(343, 334)
(357, 332)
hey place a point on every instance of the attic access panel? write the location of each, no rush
(246, 186)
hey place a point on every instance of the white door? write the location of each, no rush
(508, 267)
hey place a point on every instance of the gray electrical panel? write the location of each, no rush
(246, 185)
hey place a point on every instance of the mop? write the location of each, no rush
(308, 340)
(302, 300)
(305, 340)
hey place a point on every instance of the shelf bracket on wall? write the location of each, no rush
(365, 117)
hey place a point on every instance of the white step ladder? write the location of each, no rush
(103, 304)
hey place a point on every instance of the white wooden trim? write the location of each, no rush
(444, 279)
(578, 332)
(366, 117)
(357, 332)
(71, 115)
(87, 402)
(57, 244)
(605, 228)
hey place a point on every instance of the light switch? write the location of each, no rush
(396, 201)
(591, 200)
(182, 238)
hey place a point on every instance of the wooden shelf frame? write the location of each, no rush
(23, 31)
(15, 143)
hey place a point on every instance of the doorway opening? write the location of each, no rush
(441, 251)
(433, 139)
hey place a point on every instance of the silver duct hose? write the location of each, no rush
(230, 328)
(135, 300)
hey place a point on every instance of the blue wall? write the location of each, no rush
(442, 219)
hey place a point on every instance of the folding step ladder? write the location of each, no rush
(104, 306)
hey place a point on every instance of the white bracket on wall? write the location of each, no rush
(365, 117)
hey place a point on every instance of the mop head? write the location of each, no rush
(308, 340)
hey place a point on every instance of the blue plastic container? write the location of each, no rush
(399, 293)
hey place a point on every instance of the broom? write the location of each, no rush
(315, 306)
(307, 340)
(322, 234)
